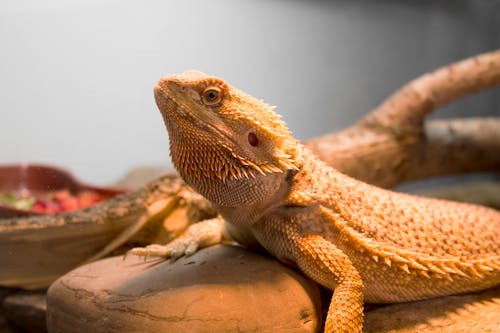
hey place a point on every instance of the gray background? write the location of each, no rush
(76, 77)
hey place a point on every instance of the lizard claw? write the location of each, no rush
(199, 235)
(153, 250)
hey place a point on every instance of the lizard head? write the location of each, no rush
(220, 136)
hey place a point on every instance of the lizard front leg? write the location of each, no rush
(326, 264)
(199, 235)
(323, 262)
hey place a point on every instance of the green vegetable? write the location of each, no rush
(11, 200)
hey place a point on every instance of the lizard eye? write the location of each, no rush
(212, 96)
(252, 139)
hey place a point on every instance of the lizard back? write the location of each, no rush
(405, 247)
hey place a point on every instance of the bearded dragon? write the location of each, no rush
(365, 243)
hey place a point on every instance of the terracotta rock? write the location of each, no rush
(140, 176)
(228, 289)
(479, 312)
(26, 311)
(4, 327)
(219, 289)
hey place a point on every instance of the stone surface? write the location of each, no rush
(219, 289)
(205, 293)
(26, 311)
(225, 289)
(4, 327)
(480, 193)
(478, 312)
(140, 176)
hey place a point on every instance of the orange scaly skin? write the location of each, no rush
(363, 242)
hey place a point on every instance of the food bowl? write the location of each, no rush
(21, 181)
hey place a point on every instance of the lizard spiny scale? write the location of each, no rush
(363, 242)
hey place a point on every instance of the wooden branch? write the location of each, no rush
(405, 110)
(38, 249)
(388, 146)
(392, 145)
(381, 158)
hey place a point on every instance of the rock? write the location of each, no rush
(479, 312)
(486, 193)
(140, 176)
(4, 326)
(479, 192)
(26, 311)
(227, 289)
(219, 289)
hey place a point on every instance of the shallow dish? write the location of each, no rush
(35, 179)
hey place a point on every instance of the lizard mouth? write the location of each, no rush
(169, 105)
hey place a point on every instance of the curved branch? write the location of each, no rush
(392, 145)
(445, 147)
(372, 150)
(405, 110)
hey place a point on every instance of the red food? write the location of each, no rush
(64, 201)
(39, 207)
(51, 202)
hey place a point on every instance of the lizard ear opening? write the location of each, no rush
(253, 140)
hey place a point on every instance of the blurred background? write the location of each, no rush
(76, 77)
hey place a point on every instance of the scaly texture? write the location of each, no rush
(363, 242)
